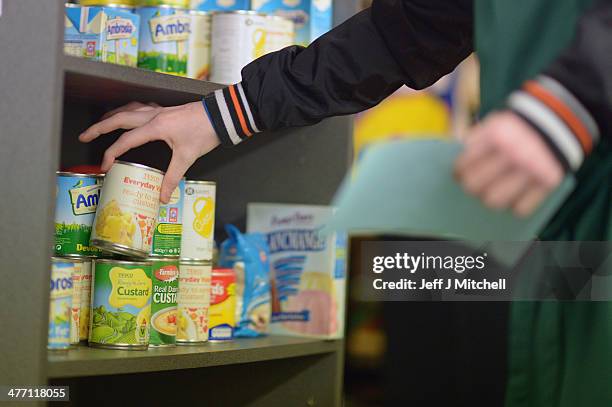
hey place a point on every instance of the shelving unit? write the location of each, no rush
(47, 100)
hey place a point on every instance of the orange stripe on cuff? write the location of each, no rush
(243, 124)
(564, 112)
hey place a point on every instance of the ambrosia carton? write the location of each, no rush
(312, 18)
(307, 268)
(102, 33)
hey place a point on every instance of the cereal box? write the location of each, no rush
(102, 33)
(219, 5)
(307, 269)
(312, 18)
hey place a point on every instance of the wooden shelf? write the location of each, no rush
(101, 83)
(85, 361)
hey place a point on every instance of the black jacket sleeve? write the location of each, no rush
(570, 103)
(349, 69)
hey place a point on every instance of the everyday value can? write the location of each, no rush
(167, 232)
(128, 209)
(222, 315)
(198, 65)
(198, 220)
(85, 311)
(60, 303)
(164, 39)
(75, 310)
(165, 278)
(76, 201)
(193, 302)
(120, 304)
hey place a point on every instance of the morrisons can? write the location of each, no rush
(193, 302)
(198, 65)
(198, 220)
(164, 39)
(128, 209)
(165, 277)
(60, 304)
(120, 304)
(76, 201)
(85, 300)
(167, 232)
(77, 293)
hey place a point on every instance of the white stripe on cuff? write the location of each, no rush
(247, 107)
(551, 124)
(227, 118)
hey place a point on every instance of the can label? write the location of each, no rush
(193, 302)
(75, 314)
(198, 66)
(60, 305)
(164, 274)
(129, 205)
(222, 305)
(85, 300)
(121, 304)
(167, 233)
(164, 39)
(75, 207)
(173, 3)
(198, 221)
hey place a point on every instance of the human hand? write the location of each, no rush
(186, 129)
(507, 165)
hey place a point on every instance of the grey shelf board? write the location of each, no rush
(105, 84)
(85, 361)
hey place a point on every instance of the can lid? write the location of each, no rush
(72, 5)
(127, 262)
(146, 167)
(57, 259)
(195, 262)
(78, 174)
(191, 181)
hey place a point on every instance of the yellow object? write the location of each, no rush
(259, 43)
(129, 287)
(204, 211)
(114, 225)
(173, 3)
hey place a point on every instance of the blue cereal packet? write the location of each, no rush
(248, 255)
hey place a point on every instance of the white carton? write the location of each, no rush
(308, 269)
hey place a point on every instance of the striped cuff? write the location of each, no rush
(231, 115)
(564, 123)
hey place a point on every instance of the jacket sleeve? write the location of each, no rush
(570, 103)
(351, 68)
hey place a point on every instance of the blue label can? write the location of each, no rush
(60, 304)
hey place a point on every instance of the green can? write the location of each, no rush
(164, 39)
(164, 273)
(120, 304)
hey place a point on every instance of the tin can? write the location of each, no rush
(85, 300)
(280, 33)
(76, 201)
(237, 38)
(222, 316)
(198, 220)
(120, 304)
(107, 3)
(128, 209)
(198, 66)
(193, 302)
(167, 232)
(164, 39)
(60, 303)
(119, 6)
(165, 277)
(75, 310)
(172, 3)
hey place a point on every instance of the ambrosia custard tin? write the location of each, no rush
(60, 303)
(128, 209)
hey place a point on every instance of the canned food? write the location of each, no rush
(173, 3)
(60, 303)
(164, 39)
(107, 2)
(222, 316)
(167, 233)
(85, 300)
(128, 209)
(237, 38)
(76, 200)
(75, 314)
(198, 220)
(120, 304)
(165, 276)
(198, 66)
(193, 302)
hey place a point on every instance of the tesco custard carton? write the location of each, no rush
(219, 5)
(312, 18)
(307, 269)
(102, 34)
